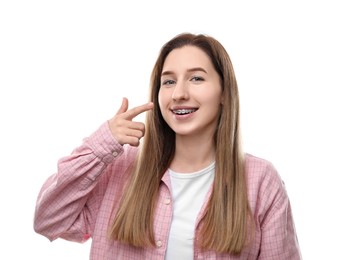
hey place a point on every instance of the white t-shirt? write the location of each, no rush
(189, 191)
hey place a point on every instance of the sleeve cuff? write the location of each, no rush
(104, 145)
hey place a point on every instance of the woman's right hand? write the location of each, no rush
(122, 126)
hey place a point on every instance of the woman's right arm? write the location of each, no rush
(69, 200)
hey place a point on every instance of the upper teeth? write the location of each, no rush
(183, 111)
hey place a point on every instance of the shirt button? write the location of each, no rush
(158, 243)
(167, 201)
(115, 153)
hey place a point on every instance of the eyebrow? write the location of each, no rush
(168, 72)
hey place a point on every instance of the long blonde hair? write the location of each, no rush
(226, 222)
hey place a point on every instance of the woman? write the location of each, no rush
(187, 191)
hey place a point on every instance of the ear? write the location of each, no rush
(222, 100)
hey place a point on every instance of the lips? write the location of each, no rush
(184, 111)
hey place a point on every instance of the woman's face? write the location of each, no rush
(190, 94)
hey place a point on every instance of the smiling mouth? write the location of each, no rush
(184, 111)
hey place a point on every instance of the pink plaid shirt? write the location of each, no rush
(78, 203)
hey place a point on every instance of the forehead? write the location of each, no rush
(187, 57)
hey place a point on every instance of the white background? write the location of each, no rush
(65, 66)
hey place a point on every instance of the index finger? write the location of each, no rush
(131, 113)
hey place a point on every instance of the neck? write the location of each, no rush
(193, 154)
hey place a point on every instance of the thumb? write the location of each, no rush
(124, 106)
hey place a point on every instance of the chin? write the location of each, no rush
(183, 132)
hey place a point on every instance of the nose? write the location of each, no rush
(180, 92)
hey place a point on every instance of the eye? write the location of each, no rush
(168, 82)
(197, 78)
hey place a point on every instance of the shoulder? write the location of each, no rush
(265, 185)
(260, 170)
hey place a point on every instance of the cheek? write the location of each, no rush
(161, 100)
(213, 98)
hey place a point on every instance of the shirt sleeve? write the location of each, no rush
(69, 200)
(279, 240)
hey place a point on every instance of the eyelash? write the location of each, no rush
(196, 78)
(170, 81)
